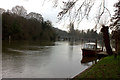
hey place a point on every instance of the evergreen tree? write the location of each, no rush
(116, 17)
(116, 26)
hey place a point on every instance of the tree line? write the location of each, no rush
(89, 34)
(17, 27)
(78, 35)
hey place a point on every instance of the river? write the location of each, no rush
(34, 60)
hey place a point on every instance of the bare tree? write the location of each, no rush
(19, 10)
(77, 10)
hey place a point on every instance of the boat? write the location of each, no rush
(90, 49)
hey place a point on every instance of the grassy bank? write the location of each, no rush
(108, 67)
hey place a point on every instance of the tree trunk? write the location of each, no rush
(106, 38)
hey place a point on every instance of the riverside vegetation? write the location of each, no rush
(17, 27)
(20, 28)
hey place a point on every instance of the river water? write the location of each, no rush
(36, 60)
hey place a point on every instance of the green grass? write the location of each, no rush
(108, 67)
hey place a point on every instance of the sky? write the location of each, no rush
(47, 10)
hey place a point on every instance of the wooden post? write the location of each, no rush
(116, 48)
(9, 39)
(116, 45)
(96, 44)
(102, 45)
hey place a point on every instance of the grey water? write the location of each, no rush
(35, 60)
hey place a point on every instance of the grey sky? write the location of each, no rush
(48, 12)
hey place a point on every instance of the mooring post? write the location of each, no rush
(9, 39)
(102, 45)
(96, 44)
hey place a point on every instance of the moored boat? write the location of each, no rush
(90, 49)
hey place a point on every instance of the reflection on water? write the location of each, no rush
(38, 60)
(89, 60)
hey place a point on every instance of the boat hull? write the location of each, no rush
(89, 52)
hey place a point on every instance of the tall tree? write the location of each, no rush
(116, 25)
(116, 17)
(71, 31)
(106, 38)
(19, 10)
